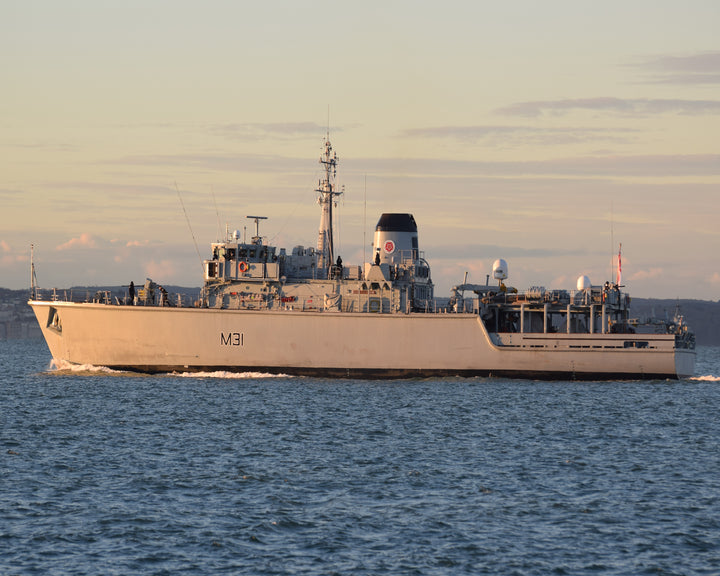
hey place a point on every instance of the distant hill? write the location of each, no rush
(702, 316)
(18, 321)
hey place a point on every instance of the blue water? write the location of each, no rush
(106, 473)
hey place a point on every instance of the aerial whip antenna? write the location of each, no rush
(217, 212)
(612, 240)
(364, 220)
(190, 227)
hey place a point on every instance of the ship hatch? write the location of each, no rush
(54, 322)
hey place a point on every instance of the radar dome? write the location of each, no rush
(500, 269)
(583, 283)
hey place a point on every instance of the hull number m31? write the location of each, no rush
(232, 338)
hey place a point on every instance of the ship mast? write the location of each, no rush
(327, 190)
(33, 278)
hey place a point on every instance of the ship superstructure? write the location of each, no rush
(304, 311)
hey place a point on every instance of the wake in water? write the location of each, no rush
(63, 367)
(707, 365)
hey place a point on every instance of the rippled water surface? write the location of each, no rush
(108, 473)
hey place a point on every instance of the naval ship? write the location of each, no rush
(302, 311)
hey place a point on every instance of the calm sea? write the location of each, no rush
(108, 473)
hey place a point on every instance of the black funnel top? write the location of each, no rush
(396, 223)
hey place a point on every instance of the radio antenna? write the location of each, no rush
(364, 222)
(217, 212)
(612, 241)
(190, 228)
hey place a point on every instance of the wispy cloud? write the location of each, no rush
(165, 269)
(85, 240)
(609, 104)
(126, 250)
(583, 166)
(605, 165)
(497, 251)
(8, 256)
(135, 243)
(7, 193)
(220, 162)
(10, 197)
(40, 145)
(692, 69)
(647, 274)
(518, 134)
(285, 130)
(639, 165)
(122, 248)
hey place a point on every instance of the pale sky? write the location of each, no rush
(544, 133)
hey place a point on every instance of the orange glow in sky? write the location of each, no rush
(544, 133)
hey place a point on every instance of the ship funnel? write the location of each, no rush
(396, 239)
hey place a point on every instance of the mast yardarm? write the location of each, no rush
(326, 190)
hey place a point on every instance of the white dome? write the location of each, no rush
(500, 269)
(583, 282)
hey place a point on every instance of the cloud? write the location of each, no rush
(8, 256)
(622, 106)
(647, 274)
(493, 251)
(606, 166)
(610, 165)
(9, 194)
(518, 134)
(85, 240)
(43, 145)
(715, 278)
(640, 165)
(284, 130)
(125, 251)
(8, 259)
(218, 162)
(164, 269)
(693, 69)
